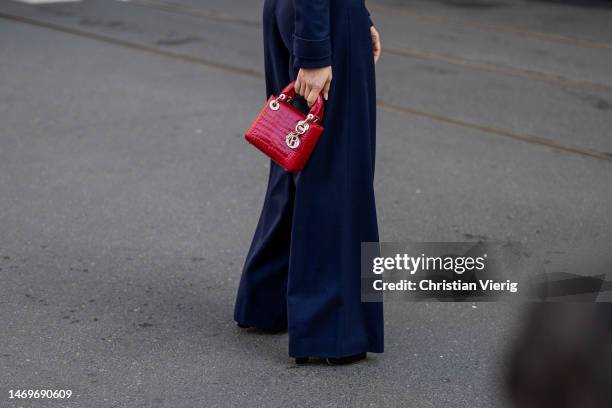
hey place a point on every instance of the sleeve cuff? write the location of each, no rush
(311, 63)
(311, 49)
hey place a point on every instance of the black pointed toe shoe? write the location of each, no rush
(269, 330)
(332, 360)
(346, 360)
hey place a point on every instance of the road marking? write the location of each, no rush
(526, 138)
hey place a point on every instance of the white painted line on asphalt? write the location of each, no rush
(45, 1)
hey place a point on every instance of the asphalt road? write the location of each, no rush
(128, 197)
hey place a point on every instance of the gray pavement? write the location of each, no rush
(128, 197)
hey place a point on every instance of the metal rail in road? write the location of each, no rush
(389, 107)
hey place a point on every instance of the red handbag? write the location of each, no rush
(284, 133)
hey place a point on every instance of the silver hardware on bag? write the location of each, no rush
(302, 127)
(293, 138)
(312, 118)
(274, 103)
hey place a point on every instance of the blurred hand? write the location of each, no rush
(375, 43)
(311, 82)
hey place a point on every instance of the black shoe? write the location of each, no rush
(346, 360)
(333, 360)
(263, 330)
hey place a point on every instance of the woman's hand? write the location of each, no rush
(311, 82)
(375, 43)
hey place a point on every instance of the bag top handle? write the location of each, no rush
(317, 108)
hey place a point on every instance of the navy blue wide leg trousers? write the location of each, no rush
(302, 271)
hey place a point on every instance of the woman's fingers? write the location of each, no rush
(312, 96)
(326, 90)
(303, 87)
(311, 82)
(309, 89)
(297, 85)
(376, 46)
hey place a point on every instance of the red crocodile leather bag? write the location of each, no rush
(284, 133)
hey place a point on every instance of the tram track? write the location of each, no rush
(488, 27)
(195, 12)
(386, 106)
(393, 10)
(406, 52)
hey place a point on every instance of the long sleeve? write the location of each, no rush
(311, 42)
